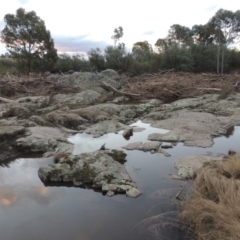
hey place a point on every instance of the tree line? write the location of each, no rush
(203, 48)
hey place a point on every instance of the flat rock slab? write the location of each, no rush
(104, 127)
(44, 139)
(147, 146)
(138, 129)
(192, 128)
(85, 97)
(97, 169)
(10, 131)
(195, 162)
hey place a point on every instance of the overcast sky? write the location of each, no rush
(79, 25)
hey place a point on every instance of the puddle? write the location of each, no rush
(29, 210)
(86, 143)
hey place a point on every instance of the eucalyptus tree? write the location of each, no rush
(118, 33)
(227, 30)
(142, 50)
(28, 40)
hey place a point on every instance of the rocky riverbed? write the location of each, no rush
(43, 124)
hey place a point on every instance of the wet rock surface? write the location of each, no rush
(147, 146)
(100, 169)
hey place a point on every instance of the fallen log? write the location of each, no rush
(108, 87)
(6, 100)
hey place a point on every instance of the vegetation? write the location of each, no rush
(213, 211)
(203, 48)
(28, 41)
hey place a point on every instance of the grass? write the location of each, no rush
(212, 211)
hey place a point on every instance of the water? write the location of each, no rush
(29, 210)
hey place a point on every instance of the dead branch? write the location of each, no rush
(210, 89)
(108, 87)
(177, 196)
(6, 100)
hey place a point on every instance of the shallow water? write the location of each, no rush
(29, 210)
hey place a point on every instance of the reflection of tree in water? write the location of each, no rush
(6, 162)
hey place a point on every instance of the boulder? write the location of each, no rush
(97, 169)
(85, 97)
(88, 80)
(127, 133)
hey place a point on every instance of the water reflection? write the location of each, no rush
(86, 143)
(29, 210)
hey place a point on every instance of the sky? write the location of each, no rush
(79, 25)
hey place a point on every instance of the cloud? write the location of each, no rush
(77, 44)
(23, 1)
(211, 8)
(149, 32)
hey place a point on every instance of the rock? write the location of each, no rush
(87, 80)
(128, 113)
(127, 133)
(99, 112)
(195, 162)
(138, 129)
(96, 168)
(185, 172)
(104, 127)
(44, 139)
(110, 73)
(198, 130)
(148, 146)
(39, 120)
(69, 120)
(133, 192)
(8, 132)
(120, 99)
(85, 97)
(110, 193)
(134, 146)
(117, 155)
(176, 177)
(163, 137)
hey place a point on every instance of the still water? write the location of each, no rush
(29, 210)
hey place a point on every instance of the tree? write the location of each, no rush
(118, 33)
(227, 29)
(180, 34)
(28, 41)
(115, 57)
(142, 50)
(96, 59)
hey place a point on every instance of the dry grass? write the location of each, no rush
(213, 210)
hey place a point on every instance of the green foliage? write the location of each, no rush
(114, 57)
(28, 41)
(67, 62)
(118, 33)
(96, 59)
(7, 66)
